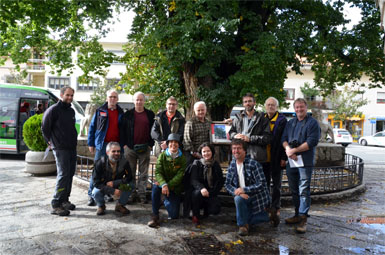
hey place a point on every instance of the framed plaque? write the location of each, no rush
(219, 132)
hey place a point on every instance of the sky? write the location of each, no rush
(123, 23)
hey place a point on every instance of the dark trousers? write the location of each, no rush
(267, 173)
(66, 165)
(210, 205)
(276, 177)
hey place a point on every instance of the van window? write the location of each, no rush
(8, 117)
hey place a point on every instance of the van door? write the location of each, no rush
(8, 124)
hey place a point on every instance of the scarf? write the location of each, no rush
(208, 171)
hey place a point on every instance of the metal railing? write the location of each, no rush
(324, 179)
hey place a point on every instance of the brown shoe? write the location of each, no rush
(274, 218)
(243, 230)
(293, 220)
(301, 228)
(154, 223)
(121, 209)
(101, 210)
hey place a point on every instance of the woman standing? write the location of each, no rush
(207, 180)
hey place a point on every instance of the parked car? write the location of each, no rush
(376, 139)
(342, 136)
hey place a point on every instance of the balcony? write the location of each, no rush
(35, 65)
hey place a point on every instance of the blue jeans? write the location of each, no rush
(98, 155)
(98, 195)
(299, 184)
(245, 215)
(172, 202)
(66, 165)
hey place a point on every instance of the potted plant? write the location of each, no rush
(36, 163)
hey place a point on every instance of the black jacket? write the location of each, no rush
(103, 174)
(161, 129)
(277, 151)
(128, 127)
(198, 181)
(58, 126)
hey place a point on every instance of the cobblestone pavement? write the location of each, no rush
(27, 227)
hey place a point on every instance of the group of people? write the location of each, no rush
(262, 145)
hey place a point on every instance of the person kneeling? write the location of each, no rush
(207, 181)
(246, 182)
(169, 173)
(112, 176)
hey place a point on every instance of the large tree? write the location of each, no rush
(217, 50)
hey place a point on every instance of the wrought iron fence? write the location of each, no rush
(324, 179)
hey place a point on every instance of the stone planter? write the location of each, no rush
(36, 165)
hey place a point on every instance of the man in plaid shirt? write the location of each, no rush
(246, 182)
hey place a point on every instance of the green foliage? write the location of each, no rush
(32, 134)
(346, 103)
(98, 97)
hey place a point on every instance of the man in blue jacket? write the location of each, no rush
(104, 128)
(58, 128)
(300, 138)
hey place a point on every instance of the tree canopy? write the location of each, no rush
(202, 49)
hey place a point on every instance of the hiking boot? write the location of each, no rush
(154, 223)
(91, 201)
(121, 209)
(68, 206)
(195, 220)
(60, 211)
(274, 218)
(101, 210)
(301, 228)
(243, 230)
(293, 220)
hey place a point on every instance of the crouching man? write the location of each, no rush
(112, 175)
(169, 173)
(246, 182)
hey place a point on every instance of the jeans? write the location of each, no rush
(66, 165)
(172, 202)
(299, 184)
(244, 212)
(98, 155)
(144, 161)
(98, 195)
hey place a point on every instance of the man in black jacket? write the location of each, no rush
(112, 176)
(138, 143)
(58, 128)
(276, 155)
(167, 122)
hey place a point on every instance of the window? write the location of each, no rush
(118, 53)
(380, 97)
(92, 85)
(111, 83)
(290, 93)
(58, 82)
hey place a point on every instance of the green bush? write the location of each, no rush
(32, 134)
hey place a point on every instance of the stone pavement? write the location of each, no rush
(27, 227)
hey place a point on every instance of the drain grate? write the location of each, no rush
(203, 244)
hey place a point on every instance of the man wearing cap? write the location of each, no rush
(169, 172)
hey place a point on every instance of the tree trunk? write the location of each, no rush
(191, 86)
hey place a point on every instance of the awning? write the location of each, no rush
(376, 117)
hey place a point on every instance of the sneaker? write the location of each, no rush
(101, 210)
(154, 223)
(195, 220)
(301, 228)
(293, 220)
(60, 211)
(243, 230)
(68, 206)
(91, 202)
(274, 218)
(121, 209)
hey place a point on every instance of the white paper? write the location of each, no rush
(296, 163)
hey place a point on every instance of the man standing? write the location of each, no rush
(253, 128)
(167, 122)
(246, 182)
(196, 132)
(58, 128)
(138, 142)
(112, 176)
(276, 155)
(300, 139)
(104, 128)
(169, 172)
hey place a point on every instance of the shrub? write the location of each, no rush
(32, 134)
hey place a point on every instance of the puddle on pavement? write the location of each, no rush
(209, 244)
(377, 249)
(378, 227)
